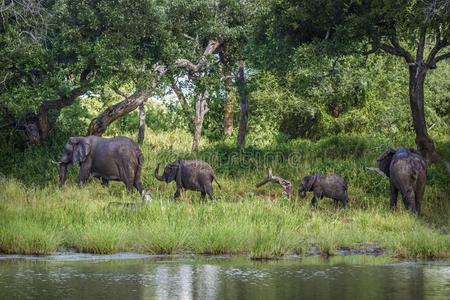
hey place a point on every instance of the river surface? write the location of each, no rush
(132, 276)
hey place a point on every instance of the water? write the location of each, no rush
(128, 276)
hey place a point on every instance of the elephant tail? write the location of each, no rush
(417, 166)
(215, 179)
(140, 161)
(140, 158)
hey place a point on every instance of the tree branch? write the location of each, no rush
(442, 57)
(421, 45)
(116, 90)
(66, 100)
(285, 184)
(440, 44)
(177, 90)
(99, 124)
(397, 50)
(195, 68)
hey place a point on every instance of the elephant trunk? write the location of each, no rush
(62, 173)
(302, 191)
(157, 176)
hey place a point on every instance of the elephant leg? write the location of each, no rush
(345, 202)
(145, 194)
(394, 194)
(410, 200)
(314, 201)
(128, 178)
(209, 191)
(203, 195)
(85, 172)
(129, 186)
(177, 194)
(105, 182)
(138, 186)
(418, 196)
(336, 203)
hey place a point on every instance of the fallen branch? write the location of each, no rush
(285, 184)
(376, 170)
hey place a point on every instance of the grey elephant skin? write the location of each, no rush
(329, 185)
(117, 158)
(195, 175)
(406, 170)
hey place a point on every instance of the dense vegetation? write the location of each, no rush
(326, 87)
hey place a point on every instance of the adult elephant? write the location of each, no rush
(406, 170)
(117, 158)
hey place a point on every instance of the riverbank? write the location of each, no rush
(42, 221)
(37, 217)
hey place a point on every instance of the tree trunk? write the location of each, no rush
(201, 108)
(99, 124)
(141, 132)
(38, 126)
(184, 103)
(228, 111)
(424, 143)
(243, 103)
(56, 105)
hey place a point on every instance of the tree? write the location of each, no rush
(397, 28)
(194, 23)
(142, 38)
(84, 47)
(43, 74)
(195, 72)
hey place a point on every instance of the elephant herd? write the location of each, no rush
(120, 159)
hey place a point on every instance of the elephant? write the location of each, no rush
(117, 158)
(329, 185)
(194, 175)
(406, 170)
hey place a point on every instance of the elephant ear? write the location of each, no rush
(172, 171)
(81, 150)
(384, 161)
(309, 182)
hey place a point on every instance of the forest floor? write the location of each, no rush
(38, 217)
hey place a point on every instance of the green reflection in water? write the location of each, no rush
(350, 277)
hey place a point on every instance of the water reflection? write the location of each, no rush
(222, 279)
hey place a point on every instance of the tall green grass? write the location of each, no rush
(37, 217)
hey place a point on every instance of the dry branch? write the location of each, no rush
(376, 170)
(285, 184)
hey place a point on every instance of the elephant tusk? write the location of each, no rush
(56, 162)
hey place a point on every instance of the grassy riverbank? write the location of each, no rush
(36, 217)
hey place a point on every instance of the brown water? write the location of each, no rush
(130, 276)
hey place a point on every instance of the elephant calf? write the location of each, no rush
(194, 175)
(330, 185)
(407, 171)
